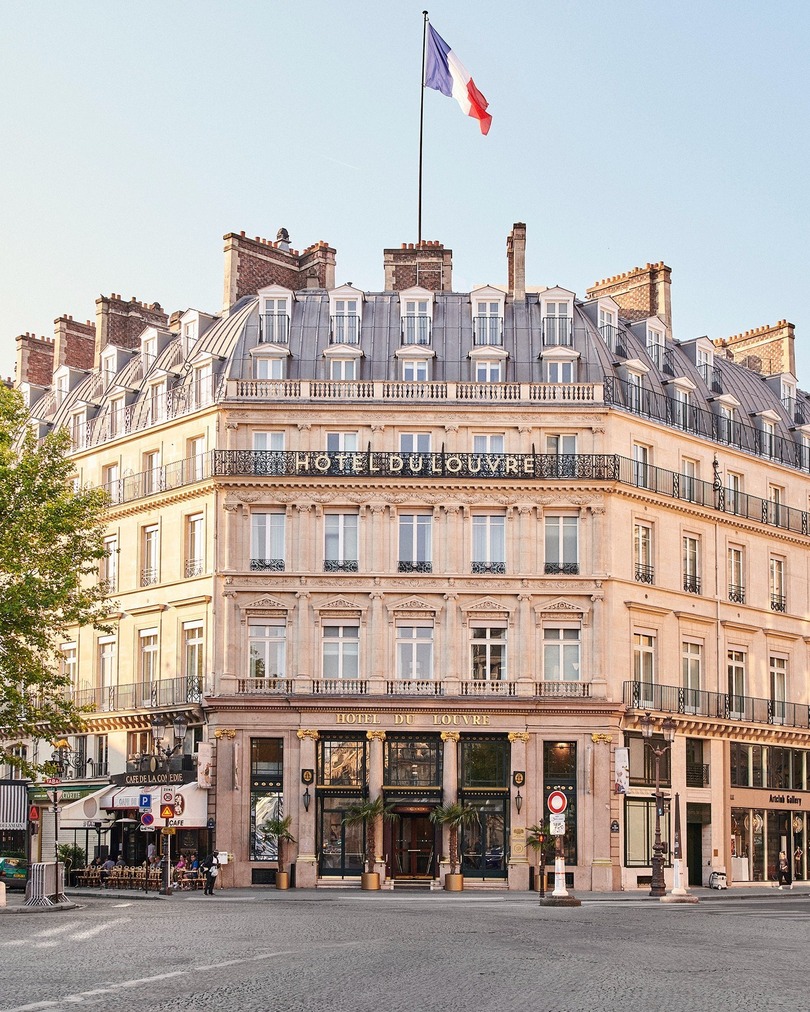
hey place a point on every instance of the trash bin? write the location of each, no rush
(717, 880)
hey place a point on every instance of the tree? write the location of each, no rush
(280, 828)
(51, 545)
(455, 816)
(366, 813)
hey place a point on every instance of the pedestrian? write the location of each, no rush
(784, 871)
(797, 861)
(211, 869)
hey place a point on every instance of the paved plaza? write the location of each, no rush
(347, 951)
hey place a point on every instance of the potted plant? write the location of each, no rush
(73, 858)
(539, 838)
(280, 828)
(366, 813)
(454, 815)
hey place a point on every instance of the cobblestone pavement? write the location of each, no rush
(355, 952)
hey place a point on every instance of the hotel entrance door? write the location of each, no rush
(413, 840)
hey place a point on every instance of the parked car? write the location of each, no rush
(14, 872)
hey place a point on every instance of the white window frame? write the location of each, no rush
(148, 662)
(195, 544)
(690, 559)
(414, 650)
(268, 440)
(267, 647)
(109, 563)
(645, 642)
(691, 673)
(268, 540)
(561, 542)
(489, 542)
(562, 653)
(193, 653)
(488, 652)
(341, 541)
(340, 651)
(735, 560)
(415, 542)
(736, 670)
(414, 442)
(150, 555)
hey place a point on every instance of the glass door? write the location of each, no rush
(413, 838)
(340, 846)
(483, 844)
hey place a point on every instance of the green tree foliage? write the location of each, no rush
(51, 545)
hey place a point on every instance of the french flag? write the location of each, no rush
(447, 74)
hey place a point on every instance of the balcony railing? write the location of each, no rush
(414, 567)
(341, 566)
(266, 686)
(724, 705)
(149, 576)
(413, 687)
(778, 602)
(416, 330)
(413, 390)
(136, 696)
(460, 688)
(697, 774)
(487, 330)
(563, 690)
(644, 574)
(160, 479)
(614, 339)
(484, 687)
(193, 567)
(488, 568)
(557, 330)
(345, 329)
(524, 466)
(274, 328)
(736, 593)
(561, 568)
(265, 565)
(691, 584)
(339, 687)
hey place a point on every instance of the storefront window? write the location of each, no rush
(639, 832)
(266, 758)
(263, 806)
(642, 761)
(412, 762)
(484, 762)
(560, 774)
(342, 762)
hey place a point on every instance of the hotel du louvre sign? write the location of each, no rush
(172, 777)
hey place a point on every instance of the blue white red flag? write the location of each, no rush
(447, 74)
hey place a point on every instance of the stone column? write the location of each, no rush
(375, 786)
(525, 633)
(518, 868)
(232, 637)
(449, 672)
(306, 867)
(378, 636)
(601, 865)
(449, 791)
(301, 663)
(595, 648)
(232, 818)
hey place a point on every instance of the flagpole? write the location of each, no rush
(421, 124)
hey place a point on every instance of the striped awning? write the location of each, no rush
(13, 804)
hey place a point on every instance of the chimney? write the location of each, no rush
(426, 264)
(74, 343)
(640, 293)
(121, 322)
(34, 360)
(768, 350)
(516, 260)
(251, 264)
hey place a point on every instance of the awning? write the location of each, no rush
(14, 804)
(191, 812)
(86, 812)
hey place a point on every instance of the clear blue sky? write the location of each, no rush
(135, 135)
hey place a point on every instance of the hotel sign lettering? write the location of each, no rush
(425, 464)
(366, 717)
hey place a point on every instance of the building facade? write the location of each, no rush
(440, 546)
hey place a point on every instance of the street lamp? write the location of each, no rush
(648, 726)
(162, 755)
(62, 757)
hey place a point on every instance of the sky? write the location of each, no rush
(135, 135)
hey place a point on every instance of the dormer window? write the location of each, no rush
(117, 416)
(268, 368)
(655, 345)
(189, 337)
(726, 419)
(682, 403)
(488, 305)
(62, 388)
(416, 315)
(78, 429)
(345, 307)
(415, 369)
(634, 391)
(343, 369)
(608, 322)
(557, 311)
(274, 322)
(560, 365)
(202, 385)
(789, 398)
(108, 369)
(157, 402)
(488, 370)
(149, 351)
(705, 364)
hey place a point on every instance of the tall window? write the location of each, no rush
(655, 346)
(267, 541)
(268, 641)
(341, 651)
(691, 564)
(150, 558)
(735, 502)
(151, 472)
(414, 442)
(340, 545)
(683, 414)
(736, 577)
(148, 662)
(195, 545)
(776, 506)
(70, 663)
(692, 672)
(488, 653)
(778, 672)
(416, 322)
(643, 553)
(109, 563)
(118, 417)
(768, 440)
(736, 682)
(107, 675)
(203, 386)
(102, 757)
(488, 547)
(487, 323)
(195, 457)
(561, 544)
(111, 480)
(345, 322)
(561, 654)
(642, 471)
(776, 576)
(635, 388)
(193, 657)
(415, 530)
(275, 323)
(415, 651)
(725, 424)
(689, 485)
(157, 401)
(644, 666)
(556, 323)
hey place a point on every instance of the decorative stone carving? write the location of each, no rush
(606, 738)
(375, 735)
(523, 736)
(307, 732)
(450, 736)
(225, 732)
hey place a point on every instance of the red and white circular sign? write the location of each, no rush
(557, 802)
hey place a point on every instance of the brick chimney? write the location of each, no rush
(640, 293)
(251, 264)
(74, 343)
(427, 264)
(34, 360)
(121, 322)
(768, 350)
(516, 260)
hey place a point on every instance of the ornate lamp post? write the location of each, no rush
(162, 756)
(648, 726)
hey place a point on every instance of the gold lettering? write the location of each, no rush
(340, 718)
(485, 718)
(409, 718)
(466, 719)
(476, 718)
(399, 718)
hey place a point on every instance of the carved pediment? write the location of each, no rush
(561, 607)
(266, 603)
(487, 604)
(413, 604)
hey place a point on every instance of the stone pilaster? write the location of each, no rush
(449, 790)
(518, 868)
(601, 869)
(306, 868)
(376, 739)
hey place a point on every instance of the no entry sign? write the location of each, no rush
(557, 802)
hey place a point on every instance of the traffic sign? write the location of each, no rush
(144, 801)
(167, 795)
(33, 814)
(556, 824)
(147, 819)
(557, 802)
(167, 811)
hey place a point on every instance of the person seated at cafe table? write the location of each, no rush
(106, 868)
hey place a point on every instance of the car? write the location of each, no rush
(14, 872)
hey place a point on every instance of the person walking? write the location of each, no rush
(784, 871)
(211, 869)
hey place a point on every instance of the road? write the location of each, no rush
(347, 951)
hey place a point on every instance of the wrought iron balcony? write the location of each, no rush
(724, 705)
(194, 567)
(345, 329)
(614, 339)
(691, 584)
(644, 574)
(274, 565)
(736, 593)
(274, 328)
(340, 566)
(778, 602)
(488, 568)
(414, 567)
(416, 330)
(487, 330)
(149, 576)
(557, 330)
(136, 696)
(561, 568)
